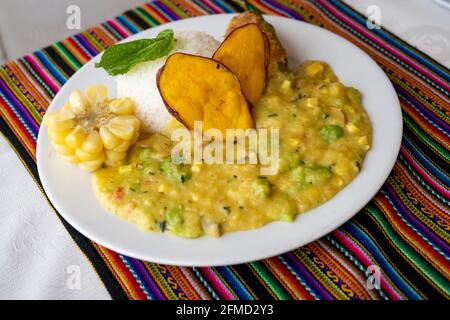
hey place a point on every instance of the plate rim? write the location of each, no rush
(228, 261)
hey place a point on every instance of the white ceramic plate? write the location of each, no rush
(71, 193)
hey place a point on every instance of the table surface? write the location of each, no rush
(34, 242)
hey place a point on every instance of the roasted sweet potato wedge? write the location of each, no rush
(278, 56)
(196, 88)
(245, 51)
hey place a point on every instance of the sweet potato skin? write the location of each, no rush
(196, 88)
(278, 55)
(246, 52)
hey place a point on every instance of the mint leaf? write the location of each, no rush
(120, 58)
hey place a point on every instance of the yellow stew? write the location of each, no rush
(324, 136)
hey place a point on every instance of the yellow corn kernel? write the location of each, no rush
(59, 121)
(110, 163)
(337, 117)
(121, 128)
(352, 128)
(122, 147)
(337, 89)
(315, 111)
(58, 137)
(93, 143)
(312, 102)
(337, 181)
(90, 166)
(52, 117)
(122, 106)
(78, 102)
(71, 159)
(135, 138)
(97, 94)
(76, 138)
(293, 142)
(87, 156)
(63, 125)
(163, 188)
(286, 84)
(135, 122)
(211, 229)
(115, 156)
(314, 69)
(110, 141)
(197, 167)
(125, 169)
(363, 140)
(64, 150)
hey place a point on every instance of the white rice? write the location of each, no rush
(140, 82)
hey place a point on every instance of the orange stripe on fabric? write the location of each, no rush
(426, 126)
(342, 270)
(75, 50)
(41, 101)
(191, 7)
(154, 13)
(103, 36)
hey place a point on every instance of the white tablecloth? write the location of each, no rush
(39, 260)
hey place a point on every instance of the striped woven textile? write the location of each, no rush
(403, 233)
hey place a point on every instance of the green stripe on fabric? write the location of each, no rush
(175, 9)
(422, 265)
(69, 57)
(145, 16)
(277, 288)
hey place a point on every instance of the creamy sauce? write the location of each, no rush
(324, 136)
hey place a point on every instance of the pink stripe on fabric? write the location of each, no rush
(222, 291)
(423, 173)
(195, 284)
(118, 28)
(39, 70)
(212, 6)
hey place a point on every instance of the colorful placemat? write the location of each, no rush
(404, 231)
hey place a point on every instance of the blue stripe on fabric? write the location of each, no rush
(234, 282)
(371, 247)
(50, 67)
(131, 27)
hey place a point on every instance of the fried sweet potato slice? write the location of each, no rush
(245, 51)
(278, 56)
(196, 88)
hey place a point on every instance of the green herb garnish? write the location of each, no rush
(120, 58)
(272, 115)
